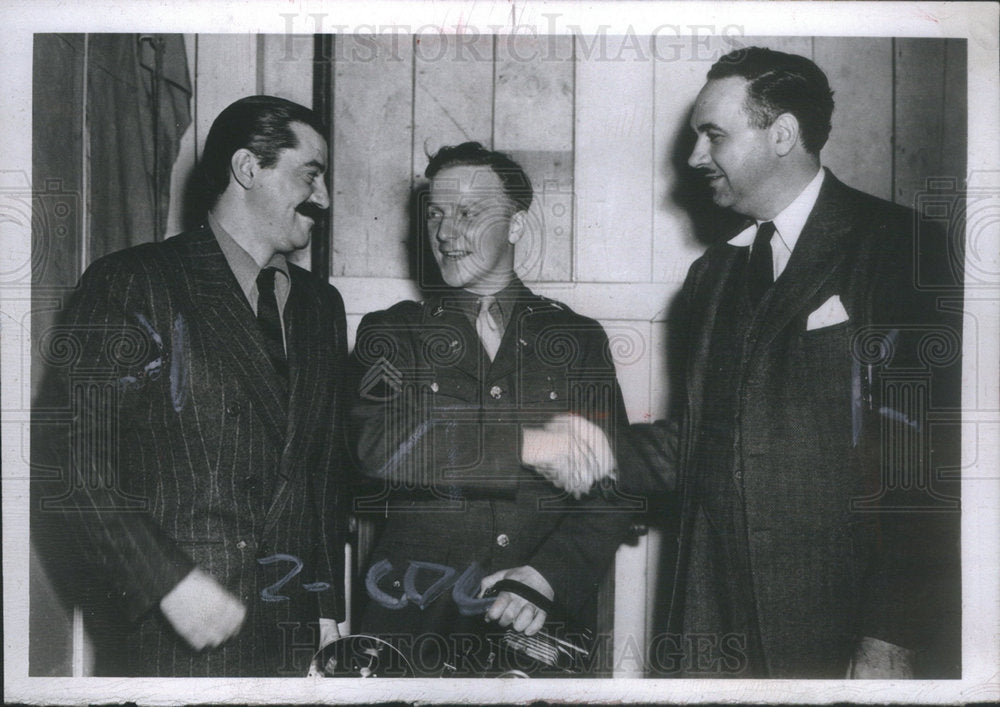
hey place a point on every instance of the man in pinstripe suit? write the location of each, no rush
(204, 375)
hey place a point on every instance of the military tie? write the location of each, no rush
(488, 325)
(269, 320)
(761, 271)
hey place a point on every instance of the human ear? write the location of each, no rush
(244, 167)
(516, 227)
(785, 133)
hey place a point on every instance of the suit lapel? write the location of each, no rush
(819, 252)
(705, 305)
(231, 327)
(310, 363)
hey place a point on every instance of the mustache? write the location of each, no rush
(308, 208)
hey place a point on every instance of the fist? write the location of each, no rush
(202, 611)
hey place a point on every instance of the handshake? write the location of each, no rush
(570, 451)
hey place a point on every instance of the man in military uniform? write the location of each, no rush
(468, 405)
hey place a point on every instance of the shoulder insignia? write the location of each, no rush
(381, 382)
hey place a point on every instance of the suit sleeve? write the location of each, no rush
(577, 554)
(651, 463)
(912, 590)
(407, 435)
(333, 477)
(87, 513)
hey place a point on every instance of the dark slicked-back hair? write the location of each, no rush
(781, 83)
(516, 184)
(261, 124)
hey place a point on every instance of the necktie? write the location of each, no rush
(269, 321)
(488, 325)
(761, 271)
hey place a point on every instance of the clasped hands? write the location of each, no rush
(570, 451)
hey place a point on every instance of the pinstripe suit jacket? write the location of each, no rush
(187, 448)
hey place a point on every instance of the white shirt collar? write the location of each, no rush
(788, 224)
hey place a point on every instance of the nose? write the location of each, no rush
(444, 230)
(699, 153)
(320, 196)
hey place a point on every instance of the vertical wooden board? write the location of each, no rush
(630, 342)
(534, 93)
(452, 93)
(955, 110)
(679, 74)
(288, 67)
(53, 205)
(630, 639)
(372, 144)
(533, 121)
(859, 151)
(184, 163)
(613, 169)
(919, 115)
(226, 70)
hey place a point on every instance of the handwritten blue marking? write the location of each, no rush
(403, 451)
(178, 364)
(267, 593)
(465, 590)
(149, 329)
(432, 592)
(898, 417)
(376, 572)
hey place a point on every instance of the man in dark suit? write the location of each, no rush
(204, 378)
(467, 404)
(810, 545)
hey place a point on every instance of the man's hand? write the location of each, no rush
(877, 659)
(329, 631)
(202, 611)
(570, 451)
(515, 611)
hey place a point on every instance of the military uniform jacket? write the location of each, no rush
(439, 427)
(187, 448)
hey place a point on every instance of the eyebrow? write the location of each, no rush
(317, 164)
(705, 127)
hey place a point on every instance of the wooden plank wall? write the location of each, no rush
(601, 126)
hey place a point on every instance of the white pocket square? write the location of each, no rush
(827, 314)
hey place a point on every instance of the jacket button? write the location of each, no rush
(496, 392)
(435, 387)
(553, 395)
(233, 409)
(738, 475)
(503, 540)
(241, 544)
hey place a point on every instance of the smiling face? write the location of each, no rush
(286, 197)
(737, 159)
(473, 227)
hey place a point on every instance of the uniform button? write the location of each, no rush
(435, 387)
(503, 540)
(241, 544)
(233, 409)
(553, 395)
(496, 391)
(738, 475)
